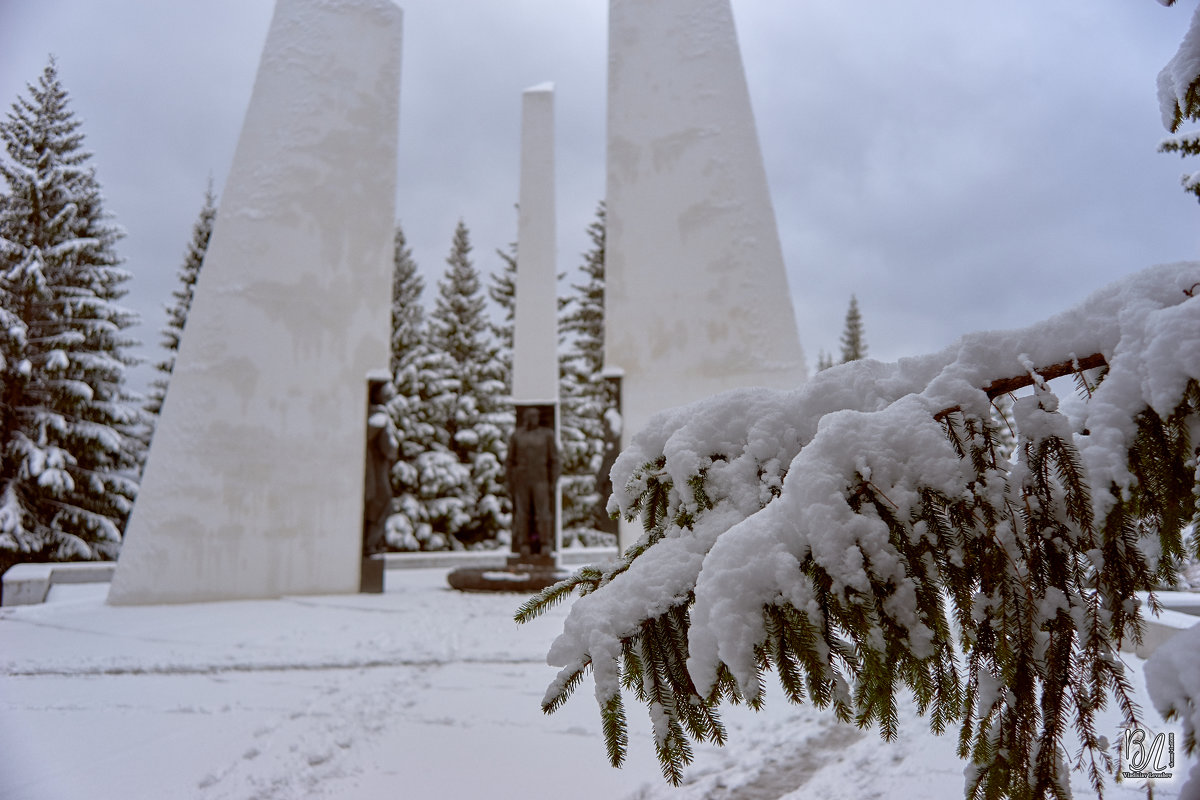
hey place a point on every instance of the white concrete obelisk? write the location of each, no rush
(535, 324)
(696, 299)
(535, 317)
(254, 483)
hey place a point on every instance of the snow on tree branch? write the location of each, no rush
(866, 533)
(1173, 679)
(1179, 80)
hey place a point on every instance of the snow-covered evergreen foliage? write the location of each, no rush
(408, 314)
(1179, 98)
(462, 477)
(172, 334)
(585, 396)
(410, 361)
(863, 535)
(502, 288)
(854, 342)
(68, 456)
(1173, 681)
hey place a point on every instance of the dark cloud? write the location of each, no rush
(957, 166)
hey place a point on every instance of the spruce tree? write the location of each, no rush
(502, 288)
(585, 396)
(172, 334)
(463, 478)
(68, 453)
(410, 360)
(854, 345)
(408, 315)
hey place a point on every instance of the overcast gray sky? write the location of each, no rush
(957, 165)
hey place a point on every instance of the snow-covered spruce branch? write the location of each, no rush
(1179, 98)
(1186, 144)
(864, 535)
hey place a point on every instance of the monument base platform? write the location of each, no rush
(523, 575)
(371, 577)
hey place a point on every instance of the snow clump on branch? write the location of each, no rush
(836, 531)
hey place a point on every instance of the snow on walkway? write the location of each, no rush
(422, 692)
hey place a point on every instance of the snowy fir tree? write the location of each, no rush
(585, 396)
(462, 479)
(408, 314)
(502, 289)
(865, 536)
(172, 334)
(68, 456)
(411, 363)
(854, 343)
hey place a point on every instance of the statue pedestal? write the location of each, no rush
(371, 577)
(537, 561)
(523, 574)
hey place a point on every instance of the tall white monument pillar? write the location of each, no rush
(254, 483)
(535, 318)
(696, 298)
(535, 324)
(533, 448)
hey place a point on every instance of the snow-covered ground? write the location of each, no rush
(421, 692)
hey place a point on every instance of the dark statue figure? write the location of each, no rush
(383, 446)
(532, 471)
